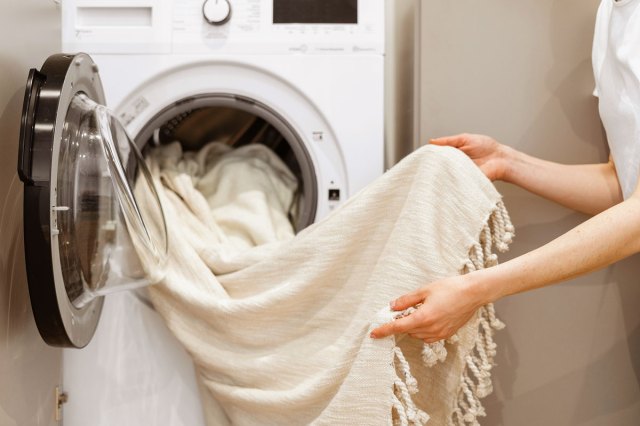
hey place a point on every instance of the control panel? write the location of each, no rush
(225, 26)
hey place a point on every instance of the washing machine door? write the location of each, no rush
(85, 232)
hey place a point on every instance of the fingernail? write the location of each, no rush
(372, 336)
(392, 304)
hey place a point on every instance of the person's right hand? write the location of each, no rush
(485, 151)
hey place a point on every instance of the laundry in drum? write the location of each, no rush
(243, 167)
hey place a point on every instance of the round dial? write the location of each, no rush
(216, 12)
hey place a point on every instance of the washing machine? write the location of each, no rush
(305, 77)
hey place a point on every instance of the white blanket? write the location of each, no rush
(278, 326)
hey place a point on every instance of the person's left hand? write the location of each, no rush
(447, 305)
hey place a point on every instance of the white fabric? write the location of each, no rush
(616, 64)
(280, 331)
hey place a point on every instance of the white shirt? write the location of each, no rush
(616, 66)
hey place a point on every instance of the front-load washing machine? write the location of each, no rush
(305, 77)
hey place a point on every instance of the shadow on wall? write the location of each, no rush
(617, 391)
(630, 297)
(577, 107)
(572, 83)
(511, 309)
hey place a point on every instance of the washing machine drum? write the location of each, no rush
(84, 234)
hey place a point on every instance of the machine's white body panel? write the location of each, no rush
(165, 26)
(326, 81)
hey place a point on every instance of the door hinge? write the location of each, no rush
(61, 398)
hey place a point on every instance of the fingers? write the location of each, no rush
(414, 327)
(408, 300)
(455, 141)
(398, 326)
(401, 325)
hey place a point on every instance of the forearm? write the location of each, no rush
(590, 188)
(598, 242)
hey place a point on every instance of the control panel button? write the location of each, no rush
(216, 12)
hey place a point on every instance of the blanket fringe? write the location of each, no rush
(433, 353)
(475, 380)
(408, 414)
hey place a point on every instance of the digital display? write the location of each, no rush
(315, 11)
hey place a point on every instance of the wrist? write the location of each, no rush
(480, 287)
(508, 157)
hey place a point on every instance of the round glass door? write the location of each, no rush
(85, 234)
(106, 242)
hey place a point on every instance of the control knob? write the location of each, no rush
(216, 12)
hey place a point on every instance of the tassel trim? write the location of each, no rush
(475, 380)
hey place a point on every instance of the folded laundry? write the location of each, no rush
(278, 325)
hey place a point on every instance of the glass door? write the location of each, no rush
(86, 234)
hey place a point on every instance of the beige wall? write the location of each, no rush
(29, 370)
(400, 65)
(520, 71)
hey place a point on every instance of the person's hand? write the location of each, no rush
(485, 151)
(446, 305)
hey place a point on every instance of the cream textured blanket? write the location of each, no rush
(278, 327)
